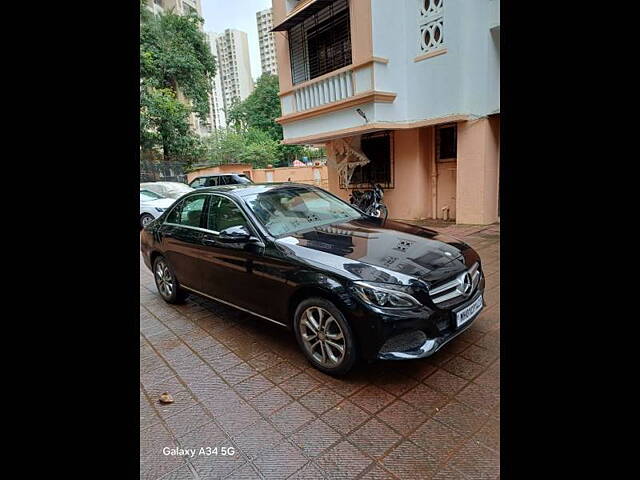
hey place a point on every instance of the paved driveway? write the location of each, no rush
(241, 385)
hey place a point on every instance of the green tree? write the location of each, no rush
(176, 67)
(259, 111)
(251, 146)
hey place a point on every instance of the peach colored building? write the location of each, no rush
(404, 93)
(312, 175)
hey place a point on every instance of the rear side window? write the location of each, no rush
(188, 212)
(198, 182)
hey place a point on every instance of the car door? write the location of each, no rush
(228, 272)
(181, 237)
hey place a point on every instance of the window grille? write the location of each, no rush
(321, 43)
(378, 147)
(431, 25)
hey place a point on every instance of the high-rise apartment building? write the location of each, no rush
(181, 7)
(218, 117)
(233, 66)
(268, 60)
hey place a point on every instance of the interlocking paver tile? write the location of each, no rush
(489, 434)
(238, 382)
(298, 385)
(402, 417)
(290, 418)
(445, 382)
(320, 400)
(345, 417)
(270, 400)
(463, 368)
(253, 386)
(280, 372)
(479, 397)
(425, 399)
(343, 461)
(461, 418)
(258, 437)
(407, 461)
(436, 439)
(187, 420)
(374, 438)
(477, 461)
(480, 355)
(372, 399)
(315, 437)
(281, 461)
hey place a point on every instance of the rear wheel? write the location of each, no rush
(325, 337)
(167, 283)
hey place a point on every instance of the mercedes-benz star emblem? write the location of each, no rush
(465, 284)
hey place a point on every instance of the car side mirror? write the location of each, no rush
(235, 234)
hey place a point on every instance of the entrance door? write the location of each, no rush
(446, 186)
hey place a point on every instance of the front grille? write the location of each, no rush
(455, 289)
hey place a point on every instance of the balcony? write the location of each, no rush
(342, 88)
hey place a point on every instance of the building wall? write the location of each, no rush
(266, 38)
(310, 175)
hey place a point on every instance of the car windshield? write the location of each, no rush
(147, 196)
(286, 210)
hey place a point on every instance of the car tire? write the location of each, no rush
(166, 282)
(146, 219)
(331, 331)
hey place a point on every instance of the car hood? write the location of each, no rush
(160, 203)
(381, 251)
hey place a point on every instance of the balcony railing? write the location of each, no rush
(326, 89)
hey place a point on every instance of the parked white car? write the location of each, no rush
(167, 189)
(151, 206)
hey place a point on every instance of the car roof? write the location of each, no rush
(218, 174)
(245, 189)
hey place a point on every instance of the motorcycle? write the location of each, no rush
(370, 201)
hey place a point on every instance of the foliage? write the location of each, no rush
(176, 67)
(164, 123)
(251, 146)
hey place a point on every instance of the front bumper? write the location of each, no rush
(429, 346)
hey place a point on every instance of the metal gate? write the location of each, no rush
(162, 171)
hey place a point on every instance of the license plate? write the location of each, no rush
(467, 313)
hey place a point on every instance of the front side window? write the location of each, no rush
(224, 213)
(198, 182)
(283, 211)
(188, 212)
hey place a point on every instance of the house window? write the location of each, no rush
(378, 147)
(446, 143)
(321, 43)
(431, 26)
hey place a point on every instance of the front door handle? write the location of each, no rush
(208, 240)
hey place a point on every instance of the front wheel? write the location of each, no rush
(146, 219)
(324, 336)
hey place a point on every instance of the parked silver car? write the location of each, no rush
(167, 189)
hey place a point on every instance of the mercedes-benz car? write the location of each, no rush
(348, 285)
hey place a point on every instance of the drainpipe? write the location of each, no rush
(434, 178)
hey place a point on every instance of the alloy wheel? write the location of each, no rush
(322, 336)
(146, 220)
(164, 279)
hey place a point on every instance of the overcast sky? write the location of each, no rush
(241, 15)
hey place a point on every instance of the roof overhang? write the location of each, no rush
(300, 14)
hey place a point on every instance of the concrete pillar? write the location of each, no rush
(477, 176)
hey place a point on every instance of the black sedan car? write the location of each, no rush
(349, 286)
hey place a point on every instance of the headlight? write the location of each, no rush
(160, 209)
(384, 295)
